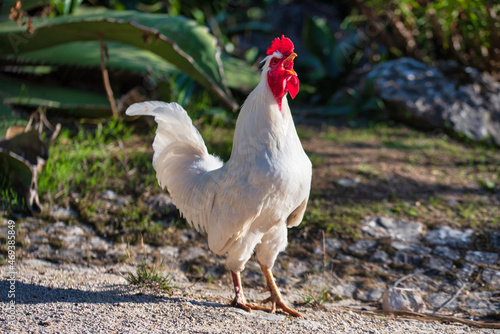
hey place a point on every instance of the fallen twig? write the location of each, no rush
(432, 317)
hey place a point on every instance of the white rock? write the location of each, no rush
(396, 299)
(482, 257)
(381, 227)
(446, 235)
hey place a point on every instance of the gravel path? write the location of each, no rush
(70, 299)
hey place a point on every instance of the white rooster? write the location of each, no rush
(246, 204)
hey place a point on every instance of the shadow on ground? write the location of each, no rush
(29, 293)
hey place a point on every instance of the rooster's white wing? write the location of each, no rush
(213, 198)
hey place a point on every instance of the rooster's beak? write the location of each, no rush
(288, 64)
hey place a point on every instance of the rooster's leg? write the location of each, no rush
(239, 298)
(275, 298)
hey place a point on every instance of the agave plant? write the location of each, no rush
(179, 41)
(38, 57)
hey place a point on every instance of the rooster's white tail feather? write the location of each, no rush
(180, 155)
(174, 125)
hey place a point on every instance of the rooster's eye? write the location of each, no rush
(274, 61)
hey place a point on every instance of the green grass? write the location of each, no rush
(313, 298)
(91, 161)
(149, 275)
(316, 159)
(345, 219)
(404, 174)
(335, 221)
(82, 166)
(219, 140)
(9, 198)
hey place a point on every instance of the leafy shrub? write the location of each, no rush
(466, 31)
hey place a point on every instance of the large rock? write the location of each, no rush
(481, 303)
(447, 252)
(467, 270)
(410, 248)
(440, 265)
(463, 101)
(363, 247)
(381, 257)
(406, 259)
(382, 227)
(396, 299)
(482, 257)
(437, 300)
(445, 235)
(492, 277)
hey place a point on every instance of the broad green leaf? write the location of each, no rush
(321, 42)
(16, 167)
(180, 41)
(77, 103)
(87, 54)
(239, 74)
(335, 57)
(32, 102)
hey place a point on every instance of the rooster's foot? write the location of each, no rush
(248, 306)
(239, 298)
(279, 304)
(275, 298)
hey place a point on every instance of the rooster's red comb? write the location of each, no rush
(283, 45)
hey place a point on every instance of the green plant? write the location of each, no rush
(361, 102)
(210, 278)
(17, 174)
(329, 63)
(315, 298)
(9, 198)
(148, 275)
(487, 184)
(65, 7)
(87, 162)
(466, 31)
(312, 296)
(175, 57)
(180, 41)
